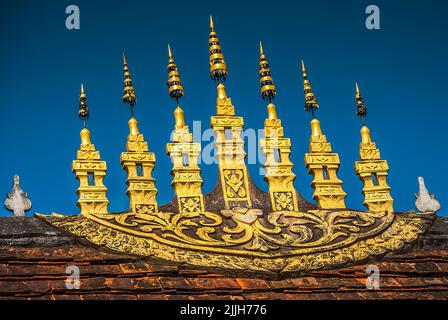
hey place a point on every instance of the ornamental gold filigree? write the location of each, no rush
(244, 239)
(283, 201)
(190, 204)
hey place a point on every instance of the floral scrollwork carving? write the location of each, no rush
(247, 239)
(234, 180)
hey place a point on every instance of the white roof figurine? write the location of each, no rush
(17, 200)
(425, 201)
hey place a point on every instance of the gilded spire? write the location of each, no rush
(218, 67)
(361, 110)
(129, 92)
(83, 112)
(268, 91)
(311, 104)
(175, 89)
(174, 83)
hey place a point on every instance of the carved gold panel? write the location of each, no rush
(247, 240)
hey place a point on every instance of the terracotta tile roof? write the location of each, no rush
(34, 257)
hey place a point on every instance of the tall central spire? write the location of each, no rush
(229, 145)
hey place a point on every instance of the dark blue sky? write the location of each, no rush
(401, 70)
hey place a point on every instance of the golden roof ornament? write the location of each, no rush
(174, 83)
(89, 169)
(276, 148)
(311, 104)
(361, 110)
(183, 152)
(138, 161)
(83, 112)
(175, 89)
(238, 227)
(218, 67)
(370, 168)
(229, 145)
(322, 163)
(129, 96)
(268, 91)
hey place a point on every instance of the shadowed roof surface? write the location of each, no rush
(34, 257)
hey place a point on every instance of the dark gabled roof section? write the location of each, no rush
(34, 257)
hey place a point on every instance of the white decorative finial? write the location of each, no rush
(17, 201)
(425, 201)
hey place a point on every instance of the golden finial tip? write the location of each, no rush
(124, 59)
(179, 120)
(303, 66)
(133, 126)
(315, 128)
(365, 134)
(357, 87)
(212, 25)
(169, 51)
(261, 49)
(82, 88)
(85, 137)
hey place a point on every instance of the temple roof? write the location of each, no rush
(236, 242)
(34, 256)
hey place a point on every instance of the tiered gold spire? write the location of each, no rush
(276, 147)
(268, 91)
(175, 88)
(320, 161)
(218, 66)
(89, 169)
(184, 153)
(361, 110)
(311, 104)
(228, 127)
(129, 91)
(372, 171)
(83, 112)
(137, 161)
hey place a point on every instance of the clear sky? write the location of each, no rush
(401, 70)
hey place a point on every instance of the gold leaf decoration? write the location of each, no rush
(283, 241)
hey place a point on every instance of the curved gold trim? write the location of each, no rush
(404, 229)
